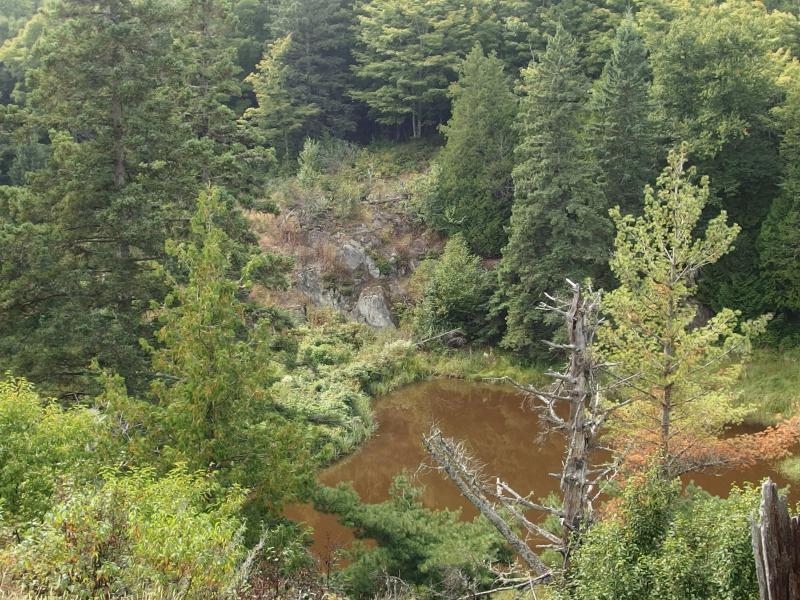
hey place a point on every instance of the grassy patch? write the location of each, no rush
(478, 365)
(771, 381)
(790, 468)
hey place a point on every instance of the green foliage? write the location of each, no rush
(44, 447)
(408, 53)
(331, 169)
(770, 382)
(716, 69)
(110, 194)
(779, 241)
(472, 183)
(318, 61)
(420, 546)
(280, 116)
(622, 128)
(340, 366)
(455, 294)
(215, 367)
(137, 534)
(790, 468)
(666, 546)
(558, 227)
(651, 332)
(215, 151)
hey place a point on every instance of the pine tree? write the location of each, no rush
(279, 117)
(623, 133)
(680, 376)
(318, 61)
(558, 224)
(473, 187)
(409, 52)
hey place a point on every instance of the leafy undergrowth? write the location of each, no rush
(341, 366)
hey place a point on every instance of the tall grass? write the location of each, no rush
(480, 365)
(771, 381)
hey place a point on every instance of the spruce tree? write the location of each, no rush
(622, 131)
(112, 192)
(318, 61)
(217, 151)
(473, 187)
(559, 226)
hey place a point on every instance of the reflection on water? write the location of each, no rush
(500, 431)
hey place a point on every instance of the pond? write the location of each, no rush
(500, 431)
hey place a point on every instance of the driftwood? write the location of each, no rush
(575, 388)
(776, 546)
(452, 339)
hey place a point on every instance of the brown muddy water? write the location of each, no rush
(500, 431)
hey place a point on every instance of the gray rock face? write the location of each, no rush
(372, 309)
(354, 257)
(309, 282)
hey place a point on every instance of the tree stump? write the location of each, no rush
(776, 546)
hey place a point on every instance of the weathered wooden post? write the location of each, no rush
(776, 546)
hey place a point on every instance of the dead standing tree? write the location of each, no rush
(575, 388)
(776, 546)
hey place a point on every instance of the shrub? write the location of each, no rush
(180, 535)
(41, 445)
(455, 292)
(420, 546)
(666, 546)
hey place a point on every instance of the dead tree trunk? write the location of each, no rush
(776, 546)
(576, 388)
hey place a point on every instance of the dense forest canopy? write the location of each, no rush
(227, 225)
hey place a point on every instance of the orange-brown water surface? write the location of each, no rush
(499, 429)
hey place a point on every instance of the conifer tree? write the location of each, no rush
(715, 79)
(280, 116)
(622, 130)
(99, 77)
(473, 188)
(408, 53)
(680, 376)
(216, 366)
(779, 240)
(217, 150)
(318, 60)
(558, 224)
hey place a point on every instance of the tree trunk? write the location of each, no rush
(120, 175)
(574, 474)
(776, 546)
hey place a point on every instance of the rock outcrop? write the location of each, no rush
(373, 309)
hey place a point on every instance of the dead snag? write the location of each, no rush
(776, 546)
(576, 389)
